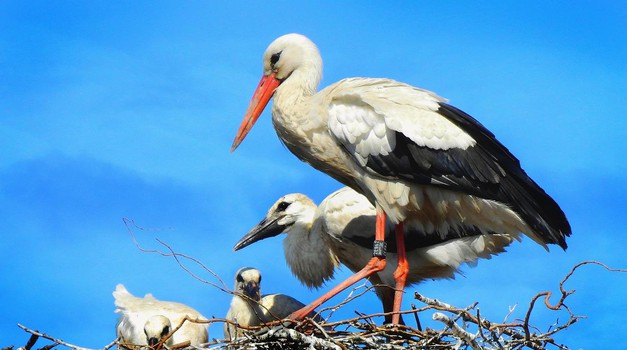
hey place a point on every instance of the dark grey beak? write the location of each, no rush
(152, 342)
(252, 290)
(267, 228)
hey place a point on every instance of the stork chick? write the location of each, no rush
(146, 321)
(248, 308)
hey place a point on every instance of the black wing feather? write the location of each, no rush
(487, 170)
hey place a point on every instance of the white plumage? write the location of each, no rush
(145, 321)
(248, 308)
(339, 230)
(419, 160)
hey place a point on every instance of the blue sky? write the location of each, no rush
(129, 110)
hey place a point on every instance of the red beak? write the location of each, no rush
(261, 97)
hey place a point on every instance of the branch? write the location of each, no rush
(457, 330)
(57, 341)
(564, 294)
(175, 255)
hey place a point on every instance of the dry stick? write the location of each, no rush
(418, 325)
(176, 256)
(59, 341)
(564, 294)
(362, 339)
(480, 328)
(511, 310)
(319, 328)
(457, 330)
(31, 341)
(128, 222)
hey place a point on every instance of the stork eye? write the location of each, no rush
(282, 206)
(166, 331)
(275, 58)
(239, 278)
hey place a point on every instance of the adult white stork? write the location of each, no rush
(409, 152)
(146, 321)
(248, 308)
(339, 230)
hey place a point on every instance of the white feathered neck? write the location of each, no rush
(307, 255)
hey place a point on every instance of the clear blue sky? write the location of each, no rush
(112, 110)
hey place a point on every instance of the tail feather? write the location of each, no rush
(123, 298)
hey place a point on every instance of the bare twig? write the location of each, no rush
(564, 294)
(31, 341)
(457, 330)
(59, 341)
(222, 286)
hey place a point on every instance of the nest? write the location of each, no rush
(461, 328)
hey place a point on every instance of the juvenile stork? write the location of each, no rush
(339, 230)
(414, 156)
(248, 308)
(146, 321)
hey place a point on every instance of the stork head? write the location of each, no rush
(290, 211)
(291, 56)
(248, 282)
(156, 328)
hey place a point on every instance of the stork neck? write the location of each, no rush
(308, 255)
(296, 88)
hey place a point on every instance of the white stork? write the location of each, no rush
(339, 230)
(415, 157)
(248, 308)
(146, 321)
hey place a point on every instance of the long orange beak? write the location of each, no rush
(261, 97)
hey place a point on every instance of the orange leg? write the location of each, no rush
(400, 275)
(376, 264)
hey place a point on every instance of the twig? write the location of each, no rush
(31, 341)
(429, 301)
(129, 222)
(42, 335)
(564, 294)
(457, 330)
(416, 318)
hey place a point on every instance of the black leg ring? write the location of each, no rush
(379, 249)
